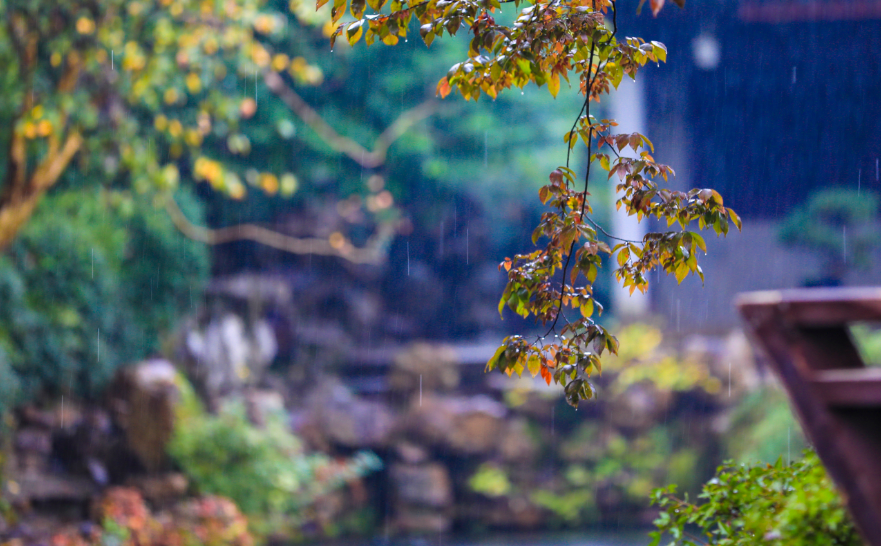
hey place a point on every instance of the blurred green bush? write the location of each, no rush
(837, 224)
(92, 283)
(264, 470)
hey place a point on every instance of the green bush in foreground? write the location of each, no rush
(775, 505)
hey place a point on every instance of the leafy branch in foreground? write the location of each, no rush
(549, 40)
(778, 504)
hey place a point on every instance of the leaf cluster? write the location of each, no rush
(547, 41)
(795, 505)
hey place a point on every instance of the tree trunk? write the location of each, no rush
(22, 194)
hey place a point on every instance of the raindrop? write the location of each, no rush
(789, 445)
(678, 317)
(521, 92)
(111, 59)
(793, 75)
(406, 40)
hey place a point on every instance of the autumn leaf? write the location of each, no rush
(656, 6)
(443, 88)
(554, 84)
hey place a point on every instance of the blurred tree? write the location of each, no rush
(837, 224)
(91, 283)
(150, 92)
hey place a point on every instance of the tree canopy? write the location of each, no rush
(543, 45)
(144, 95)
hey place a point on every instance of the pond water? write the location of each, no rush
(628, 538)
(593, 538)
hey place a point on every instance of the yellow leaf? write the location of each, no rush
(554, 84)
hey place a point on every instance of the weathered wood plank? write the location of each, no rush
(849, 388)
(804, 332)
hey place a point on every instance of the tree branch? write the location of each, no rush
(366, 158)
(370, 254)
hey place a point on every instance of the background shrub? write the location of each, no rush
(92, 283)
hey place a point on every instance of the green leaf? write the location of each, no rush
(493, 361)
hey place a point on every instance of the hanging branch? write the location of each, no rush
(549, 40)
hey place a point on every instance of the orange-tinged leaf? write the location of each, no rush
(443, 88)
(543, 194)
(656, 6)
(546, 375)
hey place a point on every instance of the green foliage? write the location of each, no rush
(763, 428)
(779, 504)
(867, 338)
(643, 359)
(838, 224)
(272, 480)
(490, 480)
(92, 283)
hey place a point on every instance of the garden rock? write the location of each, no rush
(223, 354)
(348, 420)
(423, 496)
(424, 367)
(465, 425)
(143, 399)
